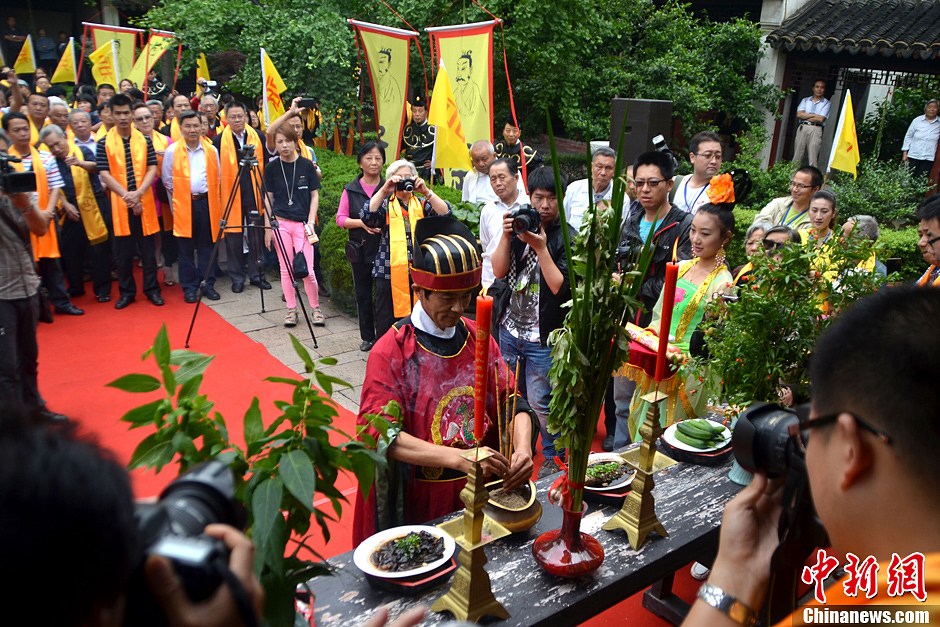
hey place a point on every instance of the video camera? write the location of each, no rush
(526, 219)
(246, 156)
(767, 438)
(174, 528)
(11, 181)
(660, 145)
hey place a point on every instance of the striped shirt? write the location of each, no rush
(101, 159)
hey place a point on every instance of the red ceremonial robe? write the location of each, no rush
(432, 381)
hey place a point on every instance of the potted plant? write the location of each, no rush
(586, 350)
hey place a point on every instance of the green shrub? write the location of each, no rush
(886, 191)
(336, 267)
(338, 171)
(891, 118)
(902, 244)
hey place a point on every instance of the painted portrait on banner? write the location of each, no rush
(467, 52)
(387, 54)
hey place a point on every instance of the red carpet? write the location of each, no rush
(80, 354)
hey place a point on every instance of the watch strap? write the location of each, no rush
(727, 605)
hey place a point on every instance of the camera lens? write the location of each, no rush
(521, 224)
(762, 440)
(203, 496)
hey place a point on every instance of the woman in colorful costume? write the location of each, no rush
(425, 364)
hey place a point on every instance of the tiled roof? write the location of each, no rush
(901, 28)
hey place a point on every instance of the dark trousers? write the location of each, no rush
(235, 250)
(125, 249)
(201, 244)
(19, 351)
(50, 271)
(384, 309)
(610, 410)
(363, 282)
(168, 245)
(920, 166)
(75, 248)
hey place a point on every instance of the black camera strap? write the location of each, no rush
(240, 596)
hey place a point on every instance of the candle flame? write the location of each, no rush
(675, 248)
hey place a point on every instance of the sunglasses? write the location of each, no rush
(770, 245)
(807, 424)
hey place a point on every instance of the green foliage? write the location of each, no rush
(283, 466)
(889, 192)
(593, 341)
(771, 183)
(765, 339)
(338, 171)
(892, 118)
(903, 245)
(469, 214)
(336, 267)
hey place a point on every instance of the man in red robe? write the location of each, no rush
(425, 364)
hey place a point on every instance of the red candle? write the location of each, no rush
(669, 300)
(484, 318)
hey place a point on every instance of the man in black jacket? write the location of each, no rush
(669, 228)
(536, 273)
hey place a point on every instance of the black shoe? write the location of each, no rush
(123, 302)
(262, 283)
(211, 294)
(608, 443)
(189, 297)
(103, 298)
(156, 299)
(48, 416)
(366, 346)
(71, 310)
(325, 293)
(238, 288)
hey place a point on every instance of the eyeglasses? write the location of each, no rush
(708, 156)
(651, 183)
(795, 185)
(933, 241)
(807, 424)
(770, 244)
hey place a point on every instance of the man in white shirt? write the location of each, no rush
(920, 142)
(812, 114)
(476, 183)
(603, 165)
(504, 180)
(705, 154)
(80, 123)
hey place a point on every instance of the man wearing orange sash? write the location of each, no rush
(128, 165)
(168, 253)
(37, 107)
(245, 199)
(180, 104)
(191, 176)
(929, 232)
(48, 187)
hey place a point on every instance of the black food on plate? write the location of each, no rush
(408, 552)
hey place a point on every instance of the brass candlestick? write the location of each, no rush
(638, 515)
(470, 597)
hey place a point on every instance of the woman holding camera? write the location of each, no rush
(292, 186)
(395, 209)
(363, 241)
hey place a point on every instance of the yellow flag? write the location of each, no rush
(159, 42)
(450, 146)
(271, 88)
(104, 64)
(844, 154)
(65, 72)
(202, 68)
(26, 61)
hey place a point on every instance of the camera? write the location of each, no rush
(173, 527)
(660, 145)
(307, 103)
(246, 156)
(405, 185)
(767, 438)
(11, 181)
(526, 219)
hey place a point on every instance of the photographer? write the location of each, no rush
(396, 208)
(532, 268)
(49, 479)
(872, 421)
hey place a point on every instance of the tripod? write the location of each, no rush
(247, 162)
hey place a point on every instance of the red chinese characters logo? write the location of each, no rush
(861, 576)
(818, 572)
(907, 575)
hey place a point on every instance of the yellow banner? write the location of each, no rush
(104, 64)
(272, 87)
(844, 154)
(387, 55)
(65, 72)
(450, 145)
(26, 60)
(202, 69)
(467, 50)
(158, 44)
(126, 39)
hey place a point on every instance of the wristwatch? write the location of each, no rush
(727, 605)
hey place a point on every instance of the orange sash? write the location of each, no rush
(101, 132)
(182, 191)
(34, 132)
(175, 130)
(46, 246)
(160, 142)
(229, 158)
(398, 250)
(114, 146)
(88, 209)
(924, 281)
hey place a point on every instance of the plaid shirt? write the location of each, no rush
(383, 258)
(17, 271)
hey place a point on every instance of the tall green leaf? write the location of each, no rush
(299, 476)
(265, 508)
(136, 383)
